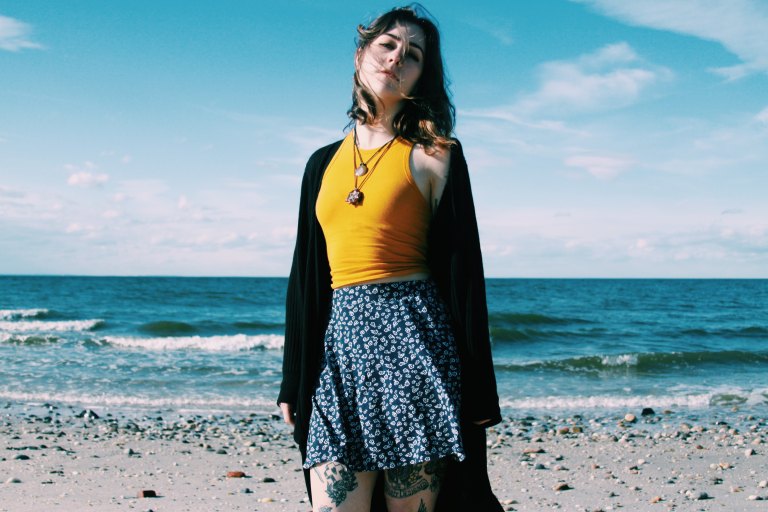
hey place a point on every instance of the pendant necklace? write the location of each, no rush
(355, 197)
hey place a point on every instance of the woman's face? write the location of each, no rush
(390, 66)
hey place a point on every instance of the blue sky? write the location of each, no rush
(605, 138)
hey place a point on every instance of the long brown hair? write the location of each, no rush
(428, 115)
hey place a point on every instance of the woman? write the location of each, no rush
(387, 365)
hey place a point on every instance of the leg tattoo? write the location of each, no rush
(326, 509)
(435, 468)
(339, 481)
(422, 507)
(405, 481)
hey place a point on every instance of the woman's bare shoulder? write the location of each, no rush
(434, 161)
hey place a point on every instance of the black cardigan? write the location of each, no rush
(456, 266)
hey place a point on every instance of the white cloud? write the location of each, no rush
(602, 167)
(14, 35)
(739, 25)
(182, 203)
(762, 116)
(611, 77)
(497, 29)
(87, 179)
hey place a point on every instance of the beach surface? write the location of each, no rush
(69, 458)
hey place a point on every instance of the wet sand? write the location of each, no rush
(65, 458)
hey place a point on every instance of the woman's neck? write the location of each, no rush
(373, 135)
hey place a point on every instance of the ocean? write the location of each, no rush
(563, 346)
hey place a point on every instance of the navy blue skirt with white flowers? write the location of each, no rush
(388, 394)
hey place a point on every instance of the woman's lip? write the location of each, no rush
(389, 74)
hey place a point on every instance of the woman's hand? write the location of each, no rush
(479, 423)
(289, 416)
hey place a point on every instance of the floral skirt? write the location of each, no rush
(388, 394)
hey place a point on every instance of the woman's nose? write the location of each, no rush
(396, 57)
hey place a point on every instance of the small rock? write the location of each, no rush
(147, 494)
(647, 411)
(563, 430)
(630, 418)
(749, 452)
(754, 497)
(656, 499)
(268, 480)
(701, 496)
(13, 480)
(246, 491)
(562, 486)
(763, 483)
(235, 474)
(87, 414)
(266, 500)
(577, 429)
(531, 449)
(21, 456)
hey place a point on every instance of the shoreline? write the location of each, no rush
(63, 457)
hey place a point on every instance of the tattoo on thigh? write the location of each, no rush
(405, 481)
(422, 507)
(339, 481)
(436, 469)
(326, 509)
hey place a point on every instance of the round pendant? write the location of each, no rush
(355, 197)
(361, 170)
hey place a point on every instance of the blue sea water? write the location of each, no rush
(215, 344)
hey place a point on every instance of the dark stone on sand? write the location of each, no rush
(147, 494)
(88, 414)
(647, 412)
(268, 480)
(235, 474)
(21, 457)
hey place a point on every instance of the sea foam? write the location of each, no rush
(132, 401)
(38, 326)
(233, 343)
(13, 314)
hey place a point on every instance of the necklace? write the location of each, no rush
(355, 197)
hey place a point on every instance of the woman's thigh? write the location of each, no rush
(414, 488)
(336, 488)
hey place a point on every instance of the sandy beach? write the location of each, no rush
(66, 458)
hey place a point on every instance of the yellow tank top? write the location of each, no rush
(384, 236)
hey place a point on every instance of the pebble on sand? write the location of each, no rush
(235, 474)
(561, 486)
(147, 494)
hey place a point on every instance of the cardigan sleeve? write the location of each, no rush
(457, 266)
(294, 301)
(308, 292)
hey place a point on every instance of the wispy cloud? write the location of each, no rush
(15, 35)
(738, 25)
(87, 179)
(497, 29)
(762, 116)
(602, 167)
(613, 76)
